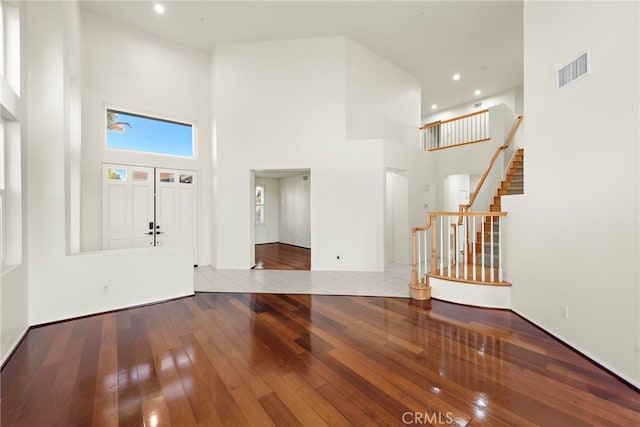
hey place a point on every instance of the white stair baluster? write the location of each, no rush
(482, 223)
(441, 245)
(419, 256)
(492, 273)
(500, 249)
(473, 262)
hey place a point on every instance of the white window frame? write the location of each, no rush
(151, 116)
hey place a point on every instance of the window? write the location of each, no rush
(259, 204)
(10, 138)
(118, 174)
(167, 177)
(133, 132)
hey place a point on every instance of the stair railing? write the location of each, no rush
(467, 207)
(437, 255)
(462, 130)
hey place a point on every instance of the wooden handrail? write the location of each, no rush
(464, 116)
(454, 213)
(514, 129)
(506, 145)
(414, 273)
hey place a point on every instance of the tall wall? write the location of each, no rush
(283, 105)
(575, 233)
(63, 285)
(129, 70)
(512, 98)
(383, 101)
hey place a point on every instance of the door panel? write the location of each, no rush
(176, 208)
(127, 206)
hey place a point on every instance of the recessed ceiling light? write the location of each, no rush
(456, 76)
(158, 8)
(477, 92)
(434, 106)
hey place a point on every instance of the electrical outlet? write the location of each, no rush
(565, 311)
(105, 289)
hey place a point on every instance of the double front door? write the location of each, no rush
(144, 206)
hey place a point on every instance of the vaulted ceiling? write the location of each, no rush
(432, 40)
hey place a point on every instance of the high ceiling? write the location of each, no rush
(432, 40)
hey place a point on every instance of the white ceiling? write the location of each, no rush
(432, 40)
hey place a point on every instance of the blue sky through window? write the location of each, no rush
(152, 136)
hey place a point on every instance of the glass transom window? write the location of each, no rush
(133, 132)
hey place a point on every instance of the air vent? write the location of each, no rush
(574, 70)
(477, 104)
(305, 177)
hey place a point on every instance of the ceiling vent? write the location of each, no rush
(575, 70)
(477, 105)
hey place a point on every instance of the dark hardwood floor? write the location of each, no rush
(280, 256)
(285, 360)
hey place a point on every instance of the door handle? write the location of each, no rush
(149, 233)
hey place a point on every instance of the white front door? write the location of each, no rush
(127, 206)
(176, 208)
(144, 206)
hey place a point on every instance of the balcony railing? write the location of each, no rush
(462, 130)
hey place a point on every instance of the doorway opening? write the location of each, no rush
(148, 207)
(397, 235)
(282, 227)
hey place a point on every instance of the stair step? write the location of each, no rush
(486, 260)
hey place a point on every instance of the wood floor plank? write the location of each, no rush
(279, 360)
(280, 256)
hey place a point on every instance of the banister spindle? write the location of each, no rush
(492, 278)
(419, 257)
(482, 263)
(441, 244)
(500, 249)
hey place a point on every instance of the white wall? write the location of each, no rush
(383, 101)
(418, 167)
(62, 286)
(135, 72)
(453, 185)
(295, 210)
(269, 232)
(512, 98)
(282, 105)
(574, 237)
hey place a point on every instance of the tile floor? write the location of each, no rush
(392, 283)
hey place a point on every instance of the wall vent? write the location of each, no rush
(305, 177)
(575, 70)
(477, 104)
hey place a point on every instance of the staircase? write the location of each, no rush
(512, 184)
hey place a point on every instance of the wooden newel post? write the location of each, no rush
(417, 289)
(414, 261)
